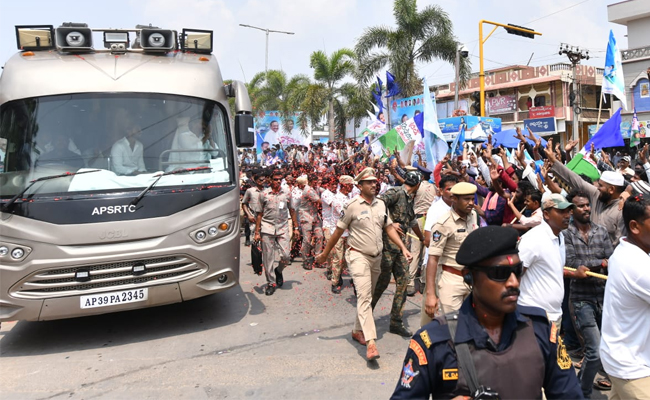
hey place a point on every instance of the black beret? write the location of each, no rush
(487, 242)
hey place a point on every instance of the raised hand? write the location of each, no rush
(549, 151)
(569, 146)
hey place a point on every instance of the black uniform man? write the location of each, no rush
(514, 349)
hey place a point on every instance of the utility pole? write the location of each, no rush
(267, 31)
(461, 50)
(575, 54)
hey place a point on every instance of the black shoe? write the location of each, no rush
(410, 291)
(278, 278)
(247, 243)
(400, 330)
(328, 275)
(340, 282)
(270, 289)
(336, 289)
(353, 287)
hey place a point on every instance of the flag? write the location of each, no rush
(376, 93)
(583, 166)
(457, 144)
(401, 136)
(435, 145)
(613, 82)
(391, 86)
(634, 135)
(609, 134)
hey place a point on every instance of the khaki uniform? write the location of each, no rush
(311, 224)
(424, 197)
(446, 237)
(365, 222)
(275, 231)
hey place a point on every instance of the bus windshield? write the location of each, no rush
(129, 137)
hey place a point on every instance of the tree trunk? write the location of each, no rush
(330, 120)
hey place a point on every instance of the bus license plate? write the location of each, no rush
(114, 298)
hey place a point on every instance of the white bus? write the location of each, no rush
(118, 173)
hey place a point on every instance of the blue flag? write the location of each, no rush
(609, 135)
(391, 86)
(435, 145)
(613, 81)
(457, 145)
(376, 93)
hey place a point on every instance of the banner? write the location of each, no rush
(501, 104)
(541, 112)
(451, 126)
(543, 126)
(269, 128)
(404, 109)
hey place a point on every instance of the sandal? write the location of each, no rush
(603, 384)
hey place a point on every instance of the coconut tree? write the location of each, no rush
(419, 37)
(329, 72)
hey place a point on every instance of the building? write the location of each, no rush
(635, 15)
(539, 97)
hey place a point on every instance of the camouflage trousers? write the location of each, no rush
(393, 263)
(312, 239)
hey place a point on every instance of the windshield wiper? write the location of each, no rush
(177, 171)
(6, 206)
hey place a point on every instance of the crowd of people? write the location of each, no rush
(507, 251)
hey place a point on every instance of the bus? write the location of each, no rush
(118, 172)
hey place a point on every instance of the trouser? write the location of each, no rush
(424, 317)
(326, 238)
(395, 263)
(588, 321)
(623, 389)
(417, 251)
(338, 260)
(312, 238)
(275, 254)
(247, 230)
(569, 335)
(365, 272)
(452, 291)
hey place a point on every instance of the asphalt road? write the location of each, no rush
(241, 343)
(238, 344)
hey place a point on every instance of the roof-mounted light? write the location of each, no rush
(157, 40)
(35, 37)
(117, 41)
(74, 37)
(196, 41)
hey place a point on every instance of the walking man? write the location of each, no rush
(311, 222)
(341, 199)
(272, 227)
(399, 202)
(366, 218)
(251, 206)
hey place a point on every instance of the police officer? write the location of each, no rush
(366, 218)
(399, 202)
(272, 227)
(311, 222)
(513, 350)
(446, 237)
(251, 206)
(424, 197)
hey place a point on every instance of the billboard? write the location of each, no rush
(269, 127)
(451, 126)
(501, 104)
(401, 110)
(541, 126)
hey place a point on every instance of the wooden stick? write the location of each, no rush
(521, 212)
(589, 273)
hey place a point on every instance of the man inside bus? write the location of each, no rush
(127, 156)
(60, 154)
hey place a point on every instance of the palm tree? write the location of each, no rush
(420, 37)
(329, 71)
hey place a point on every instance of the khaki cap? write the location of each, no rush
(346, 180)
(463, 188)
(558, 201)
(367, 174)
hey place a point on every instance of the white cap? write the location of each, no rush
(613, 178)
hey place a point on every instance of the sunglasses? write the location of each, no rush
(501, 273)
(276, 179)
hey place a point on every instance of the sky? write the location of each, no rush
(330, 25)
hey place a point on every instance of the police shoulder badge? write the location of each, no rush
(408, 374)
(419, 352)
(424, 335)
(563, 358)
(436, 236)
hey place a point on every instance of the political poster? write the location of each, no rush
(270, 130)
(404, 109)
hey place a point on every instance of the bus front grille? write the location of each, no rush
(65, 281)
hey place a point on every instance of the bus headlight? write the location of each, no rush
(213, 230)
(4, 250)
(200, 235)
(17, 253)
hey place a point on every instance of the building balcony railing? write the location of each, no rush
(634, 54)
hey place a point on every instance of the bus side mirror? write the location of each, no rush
(244, 130)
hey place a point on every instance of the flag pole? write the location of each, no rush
(600, 107)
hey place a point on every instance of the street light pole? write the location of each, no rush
(575, 55)
(511, 29)
(266, 52)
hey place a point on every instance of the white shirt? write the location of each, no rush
(125, 161)
(544, 256)
(625, 334)
(327, 197)
(438, 207)
(535, 218)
